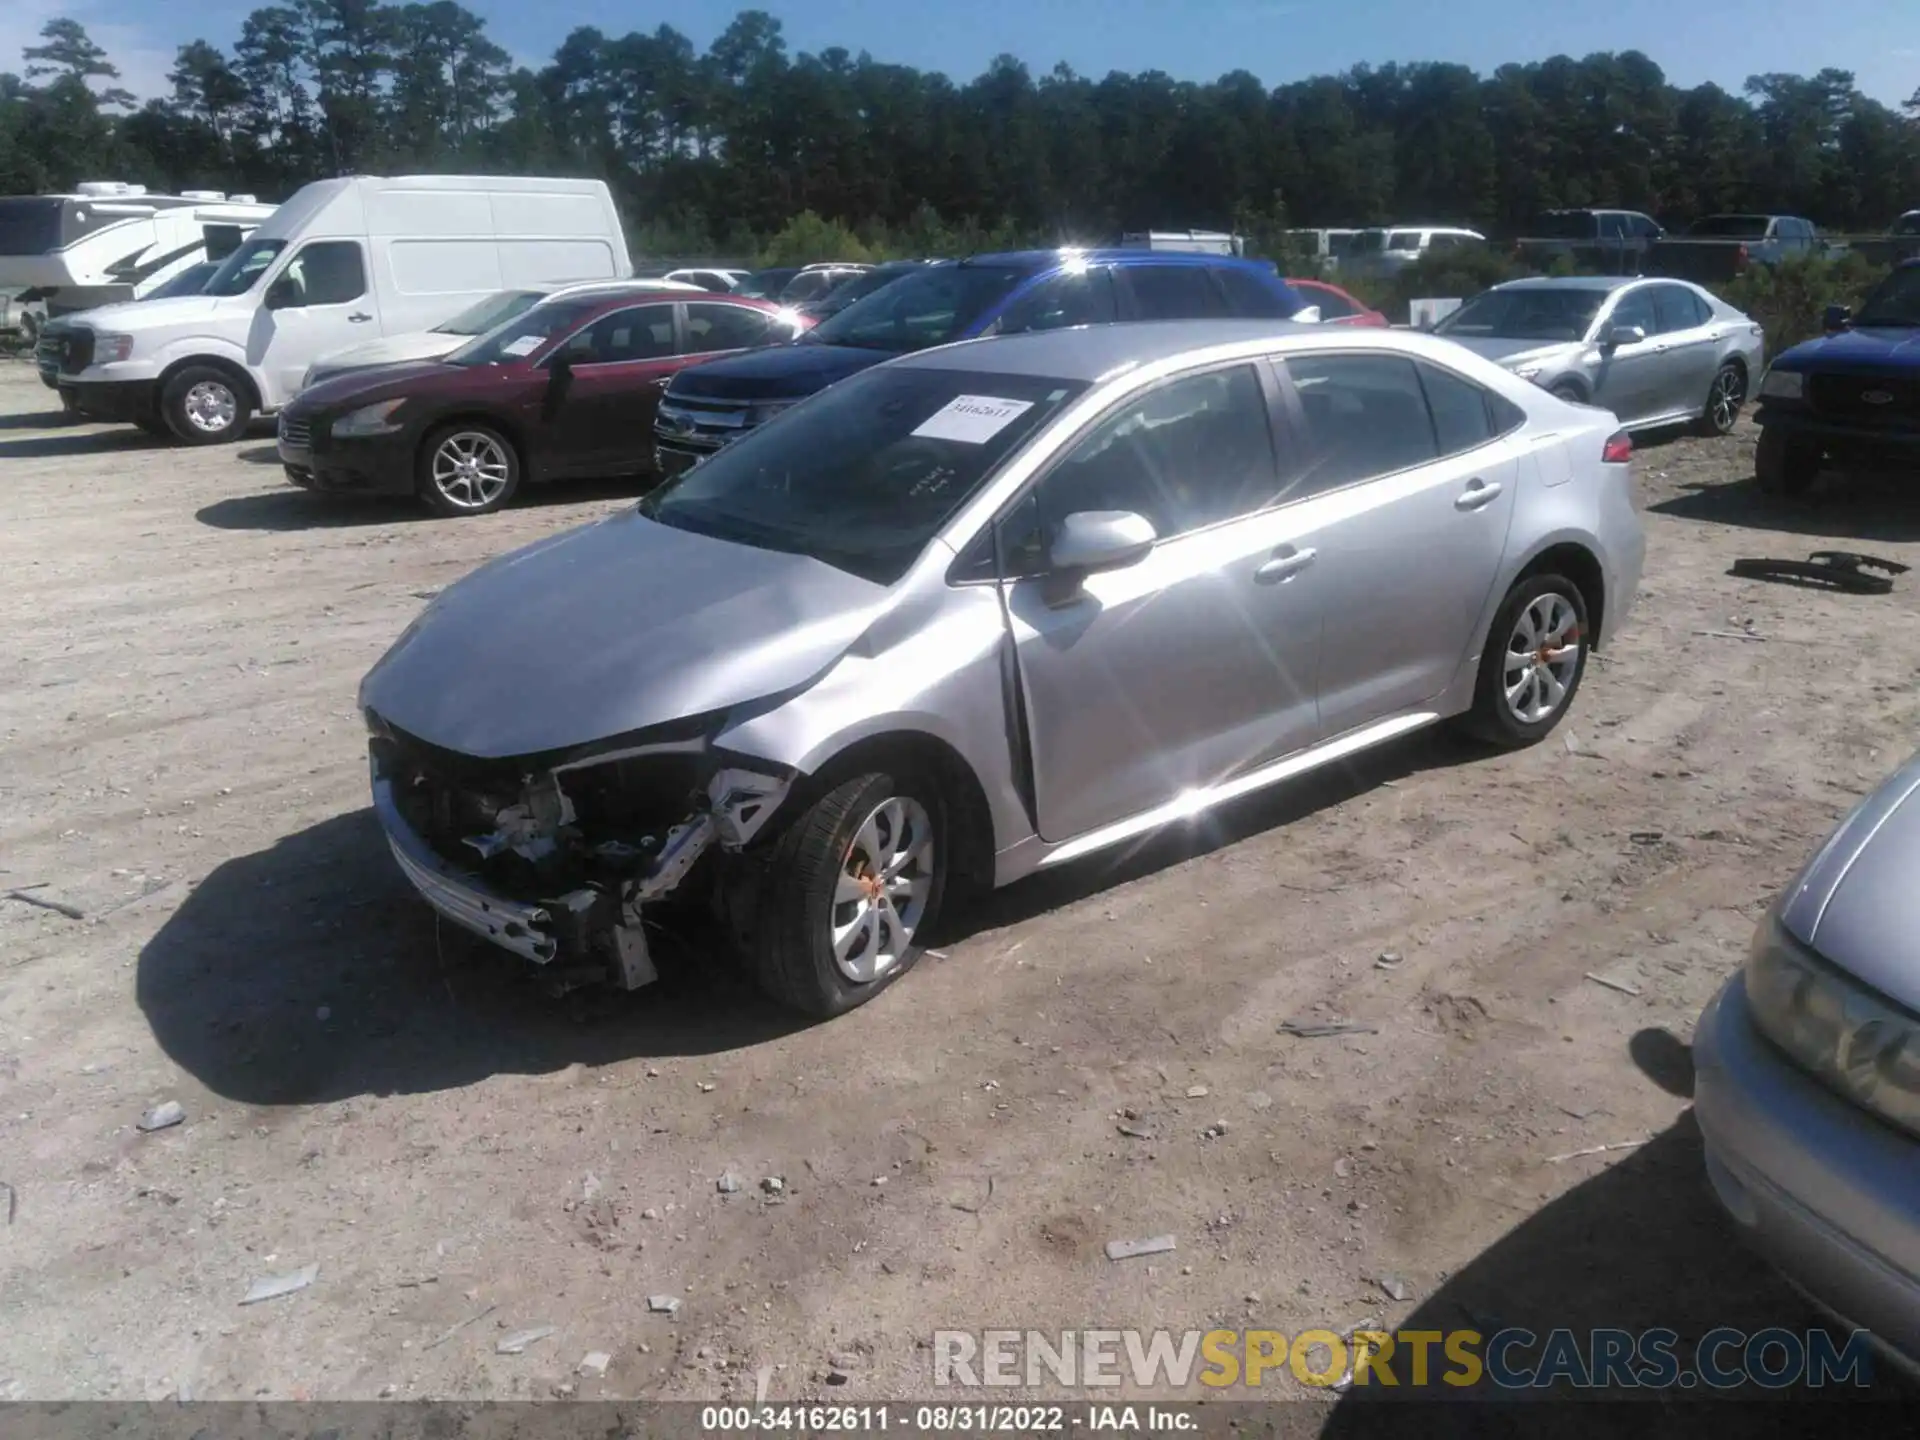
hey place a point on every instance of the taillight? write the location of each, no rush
(1619, 449)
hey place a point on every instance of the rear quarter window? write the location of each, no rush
(1249, 298)
(1171, 292)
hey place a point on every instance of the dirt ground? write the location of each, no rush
(461, 1157)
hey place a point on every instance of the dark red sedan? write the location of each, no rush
(567, 388)
(1337, 307)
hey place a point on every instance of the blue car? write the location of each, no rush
(1850, 397)
(707, 406)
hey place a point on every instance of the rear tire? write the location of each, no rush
(467, 469)
(205, 406)
(1530, 670)
(1725, 396)
(1783, 467)
(851, 884)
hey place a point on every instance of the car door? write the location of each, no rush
(1197, 662)
(1629, 379)
(317, 304)
(599, 420)
(1411, 494)
(1691, 354)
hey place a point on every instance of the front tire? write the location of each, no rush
(1784, 467)
(1724, 398)
(1531, 669)
(851, 884)
(467, 469)
(205, 406)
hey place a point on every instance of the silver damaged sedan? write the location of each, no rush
(1807, 1074)
(983, 610)
(1655, 352)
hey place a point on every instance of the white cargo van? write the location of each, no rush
(342, 261)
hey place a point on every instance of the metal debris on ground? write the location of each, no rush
(1343, 1167)
(1214, 1131)
(1131, 1249)
(162, 1117)
(1837, 569)
(1134, 1132)
(844, 1360)
(728, 1184)
(1388, 960)
(706, 1087)
(272, 1287)
(1625, 987)
(595, 1363)
(773, 1185)
(762, 1383)
(1595, 1150)
(664, 1304)
(1731, 635)
(1647, 837)
(1319, 1030)
(519, 1340)
(1196, 1092)
(449, 1334)
(1395, 1286)
(985, 1200)
(57, 906)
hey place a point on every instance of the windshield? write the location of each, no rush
(1529, 313)
(857, 288)
(861, 476)
(493, 311)
(1732, 227)
(239, 270)
(1563, 225)
(939, 304)
(1895, 301)
(513, 342)
(190, 281)
(766, 284)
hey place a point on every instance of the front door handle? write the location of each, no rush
(1477, 494)
(358, 318)
(1284, 566)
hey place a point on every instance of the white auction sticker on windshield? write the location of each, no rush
(972, 419)
(525, 345)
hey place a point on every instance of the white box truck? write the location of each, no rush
(342, 261)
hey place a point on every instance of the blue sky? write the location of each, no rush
(1278, 40)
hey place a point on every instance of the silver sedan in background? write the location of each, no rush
(1807, 1074)
(980, 611)
(1655, 352)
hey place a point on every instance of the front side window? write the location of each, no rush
(864, 474)
(1895, 301)
(327, 272)
(1171, 292)
(931, 307)
(640, 332)
(725, 327)
(1076, 297)
(1635, 308)
(1365, 416)
(1187, 453)
(523, 335)
(239, 272)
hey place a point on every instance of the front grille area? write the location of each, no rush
(296, 433)
(699, 423)
(67, 349)
(1870, 399)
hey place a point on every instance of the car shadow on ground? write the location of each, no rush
(118, 440)
(1864, 506)
(1641, 1245)
(1335, 784)
(52, 419)
(260, 455)
(235, 982)
(293, 508)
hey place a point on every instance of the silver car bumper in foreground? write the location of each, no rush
(521, 928)
(1819, 1187)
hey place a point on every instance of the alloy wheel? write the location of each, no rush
(1542, 658)
(1723, 405)
(471, 469)
(880, 894)
(211, 407)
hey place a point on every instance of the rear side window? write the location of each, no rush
(1460, 416)
(1064, 300)
(725, 327)
(1678, 308)
(1404, 240)
(1171, 292)
(1333, 305)
(327, 272)
(1250, 299)
(1365, 415)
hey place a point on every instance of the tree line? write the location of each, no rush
(715, 150)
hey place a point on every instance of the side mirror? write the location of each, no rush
(1836, 319)
(283, 294)
(1618, 335)
(1091, 541)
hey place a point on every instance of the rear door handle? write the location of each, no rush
(1284, 567)
(358, 318)
(1477, 494)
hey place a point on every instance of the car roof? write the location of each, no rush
(1037, 260)
(1091, 352)
(1607, 284)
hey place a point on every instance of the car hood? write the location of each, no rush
(1858, 901)
(1874, 348)
(779, 372)
(619, 626)
(370, 385)
(1517, 352)
(420, 345)
(129, 316)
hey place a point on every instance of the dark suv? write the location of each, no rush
(708, 405)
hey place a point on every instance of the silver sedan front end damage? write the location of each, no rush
(563, 873)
